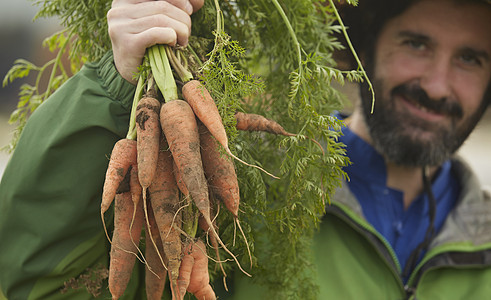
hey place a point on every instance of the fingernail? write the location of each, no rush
(189, 8)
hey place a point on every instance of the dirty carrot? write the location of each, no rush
(181, 130)
(136, 195)
(255, 122)
(180, 183)
(194, 276)
(123, 250)
(205, 109)
(221, 176)
(148, 137)
(164, 198)
(135, 186)
(219, 171)
(214, 243)
(122, 157)
(155, 273)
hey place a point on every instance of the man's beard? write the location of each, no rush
(396, 134)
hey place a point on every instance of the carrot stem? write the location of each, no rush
(136, 98)
(57, 63)
(352, 49)
(181, 71)
(293, 36)
(196, 57)
(218, 32)
(162, 72)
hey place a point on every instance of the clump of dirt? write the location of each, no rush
(91, 280)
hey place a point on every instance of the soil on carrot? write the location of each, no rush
(124, 186)
(142, 117)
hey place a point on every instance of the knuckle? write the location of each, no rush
(162, 6)
(114, 30)
(113, 12)
(160, 20)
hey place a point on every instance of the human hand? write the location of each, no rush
(135, 25)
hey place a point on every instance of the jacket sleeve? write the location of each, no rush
(50, 227)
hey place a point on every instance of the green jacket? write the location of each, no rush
(355, 262)
(456, 266)
(51, 233)
(50, 193)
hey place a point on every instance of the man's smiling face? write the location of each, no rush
(431, 73)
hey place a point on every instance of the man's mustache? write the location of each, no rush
(415, 94)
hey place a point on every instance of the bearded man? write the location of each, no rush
(412, 221)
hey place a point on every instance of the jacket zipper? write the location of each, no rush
(363, 227)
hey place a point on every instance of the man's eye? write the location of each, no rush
(470, 59)
(415, 44)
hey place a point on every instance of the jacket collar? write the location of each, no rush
(468, 222)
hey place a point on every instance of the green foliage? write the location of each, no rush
(31, 96)
(290, 46)
(84, 19)
(271, 57)
(85, 38)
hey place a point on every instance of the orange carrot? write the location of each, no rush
(164, 197)
(123, 156)
(221, 176)
(254, 122)
(123, 250)
(214, 243)
(135, 187)
(194, 276)
(155, 273)
(136, 194)
(179, 126)
(180, 129)
(219, 171)
(148, 137)
(180, 183)
(205, 109)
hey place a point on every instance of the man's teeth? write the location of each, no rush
(420, 107)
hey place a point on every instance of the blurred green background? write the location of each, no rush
(20, 38)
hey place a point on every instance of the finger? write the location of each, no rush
(131, 48)
(116, 3)
(145, 16)
(156, 35)
(125, 2)
(144, 25)
(197, 4)
(130, 34)
(146, 9)
(185, 5)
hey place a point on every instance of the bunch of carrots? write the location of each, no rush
(164, 177)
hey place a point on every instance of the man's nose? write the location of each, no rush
(436, 80)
